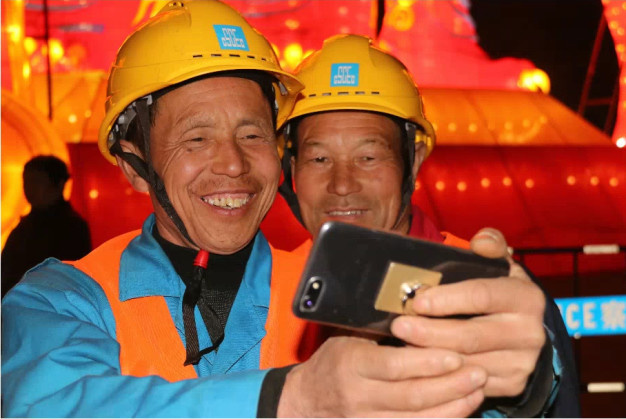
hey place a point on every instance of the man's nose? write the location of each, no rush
(230, 159)
(343, 180)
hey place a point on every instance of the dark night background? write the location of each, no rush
(558, 37)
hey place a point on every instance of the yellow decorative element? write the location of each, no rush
(30, 45)
(144, 5)
(292, 24)
(26, 70)
(56, 50)
(293, 54)
(13, 20)
(535, 80)
(405, 3)
(401, 18)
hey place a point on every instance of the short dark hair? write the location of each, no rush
(52, 166)
(134, 133)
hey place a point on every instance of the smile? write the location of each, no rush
(229, 202)
(345, 213)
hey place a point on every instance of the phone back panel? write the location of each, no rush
(349, 262)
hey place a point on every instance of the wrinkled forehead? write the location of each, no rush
(361, 126)
(204, 100)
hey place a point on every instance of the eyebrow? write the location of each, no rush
(259, 122)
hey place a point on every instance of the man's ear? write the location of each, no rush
(137, 182)
(420, 155)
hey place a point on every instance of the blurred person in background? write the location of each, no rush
(52, 228)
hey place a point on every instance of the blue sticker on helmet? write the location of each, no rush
(231, 37)
(344, 74)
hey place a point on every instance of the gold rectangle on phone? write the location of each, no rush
(391, 291)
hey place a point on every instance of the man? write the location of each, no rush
(176, 320)
(354, 144)
(51, 229)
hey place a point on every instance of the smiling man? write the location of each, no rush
(181, 318)
(355, 142)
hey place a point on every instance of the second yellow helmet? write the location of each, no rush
(350, 73)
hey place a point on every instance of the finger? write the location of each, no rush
(392, 364)
(423, 393)
(508, 370)
(460, 408)
(471, 336)
(489, 242)
(481, 296)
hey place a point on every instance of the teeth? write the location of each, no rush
(346, 213)
(227, 202)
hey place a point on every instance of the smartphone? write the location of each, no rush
(360, 278)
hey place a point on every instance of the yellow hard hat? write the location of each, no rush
(187, 39)
(349, 73)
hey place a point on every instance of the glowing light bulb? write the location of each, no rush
(93, 194)
(440, 185)
(56, 50)
(529, 183)
(484, 182)
(293, 54)
(571, 180)
(594, 180)
(613, 182)
(30, 45)
(535, 80)
(461, 186)
(507, 181)
(621, 142)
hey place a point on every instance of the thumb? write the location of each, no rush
(489, 242)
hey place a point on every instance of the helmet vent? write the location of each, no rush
(326, 94)
(375, 93)
(216, 55)
(250, 56)
(234, 55)
(360, 92)
(263, 59)
(313, 95)
(343, 93)
(197, 56)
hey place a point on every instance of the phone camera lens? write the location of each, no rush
(311, 295)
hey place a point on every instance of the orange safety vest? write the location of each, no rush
(148, 339)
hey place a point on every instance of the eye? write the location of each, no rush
(196, 140)
(320, 159)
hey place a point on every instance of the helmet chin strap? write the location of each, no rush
(145, 168)
(408, 183)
